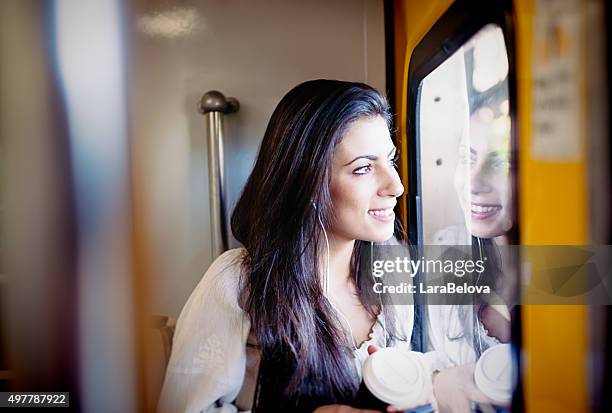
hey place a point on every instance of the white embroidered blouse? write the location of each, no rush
(212, 368)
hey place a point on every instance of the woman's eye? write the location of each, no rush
(362, 170)
(501, 164)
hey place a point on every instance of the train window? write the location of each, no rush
(462, 190)
(464, 130)
(465, 145)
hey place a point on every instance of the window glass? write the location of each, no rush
(464, 138)
(464, 135)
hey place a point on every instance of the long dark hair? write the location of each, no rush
(305, 351)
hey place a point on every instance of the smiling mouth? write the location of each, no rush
(383, 215)
(484, 211)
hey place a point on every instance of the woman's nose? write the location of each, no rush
(479, 182)
(392, 185)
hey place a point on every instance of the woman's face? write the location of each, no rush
(482, 178)
(364, 183)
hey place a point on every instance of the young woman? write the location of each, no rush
(285, 323)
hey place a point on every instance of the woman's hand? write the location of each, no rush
(455, 390)
(428, 397)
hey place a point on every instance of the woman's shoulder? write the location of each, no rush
(221, 281)
(227, 267)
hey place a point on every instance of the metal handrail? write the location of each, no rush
(214, 105)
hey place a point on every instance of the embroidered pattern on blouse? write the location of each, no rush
(210, 356)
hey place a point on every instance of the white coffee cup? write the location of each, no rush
(397, 377)
(494, 373)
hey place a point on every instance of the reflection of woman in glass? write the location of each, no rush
(482, 179)
(461, 333)
(483, 185)
(290, 304)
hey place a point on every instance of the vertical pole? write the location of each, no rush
(214, 104)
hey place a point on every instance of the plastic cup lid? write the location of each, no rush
(395, 376)
(493, 373)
